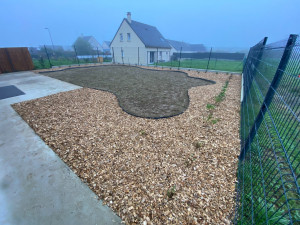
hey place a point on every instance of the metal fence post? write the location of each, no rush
(138, 56)
(114, 61)
(156, 56)
(179, 57)
(256, 63)
(98, 58)
(48, 56)
(208, 59)
(76, 55)
(122, 54)
(269, 96)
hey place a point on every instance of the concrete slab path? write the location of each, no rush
(36, 186)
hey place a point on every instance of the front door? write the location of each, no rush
(151, 57)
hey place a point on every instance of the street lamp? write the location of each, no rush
(50, 37)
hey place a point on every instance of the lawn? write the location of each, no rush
(177, 170)
(223, 65)
(141, 92)
(44, 63)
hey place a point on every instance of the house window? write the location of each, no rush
(160, 53)
(121, 37)
(128, 37)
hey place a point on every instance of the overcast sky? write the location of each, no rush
(218, 23)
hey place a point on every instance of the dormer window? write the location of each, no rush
(121, 37)
(128, 37)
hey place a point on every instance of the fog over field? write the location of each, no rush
(221, 24)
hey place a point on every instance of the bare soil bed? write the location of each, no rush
(178, 170)
(141, 92)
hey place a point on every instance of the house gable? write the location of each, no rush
(125, 28)
(148, 35)
(106, 44)
(138, 43)
(93, 41)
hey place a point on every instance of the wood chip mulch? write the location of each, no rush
(179, 170)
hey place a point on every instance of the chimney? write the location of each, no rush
(129, 17)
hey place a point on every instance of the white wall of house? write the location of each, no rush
(130, 49)
(129, 55)
(140, 55)
(173, 50)
(105, 46)
(95, 44)
(159, 54)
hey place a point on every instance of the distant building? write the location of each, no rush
(184, 47)
(94, 43)
(105, 46)
(53, 47)
(68, 48)
(139, 43)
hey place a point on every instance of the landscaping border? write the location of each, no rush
(132, 114)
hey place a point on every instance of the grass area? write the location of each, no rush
(141, 92)
(44, 62)
(223, 65)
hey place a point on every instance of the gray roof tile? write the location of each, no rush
(86, 38)
(149, 35)
(187, 47)
(107, 42)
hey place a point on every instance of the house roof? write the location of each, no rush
(149, 35)
(93, 41)
(198, 47)
(186, 46)
(86, 38)
(107, 42)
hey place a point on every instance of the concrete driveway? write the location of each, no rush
(36, 186)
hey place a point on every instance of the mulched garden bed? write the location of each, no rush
(178, 170)
(141, 92)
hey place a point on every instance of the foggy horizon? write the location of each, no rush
(217, 24)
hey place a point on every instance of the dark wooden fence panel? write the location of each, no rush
(5, 65)
(15, 59)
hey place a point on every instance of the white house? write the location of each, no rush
(138, 43)
(93, 42)
(105, 46)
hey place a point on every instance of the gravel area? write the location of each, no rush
(141, 92)
(178, 170)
